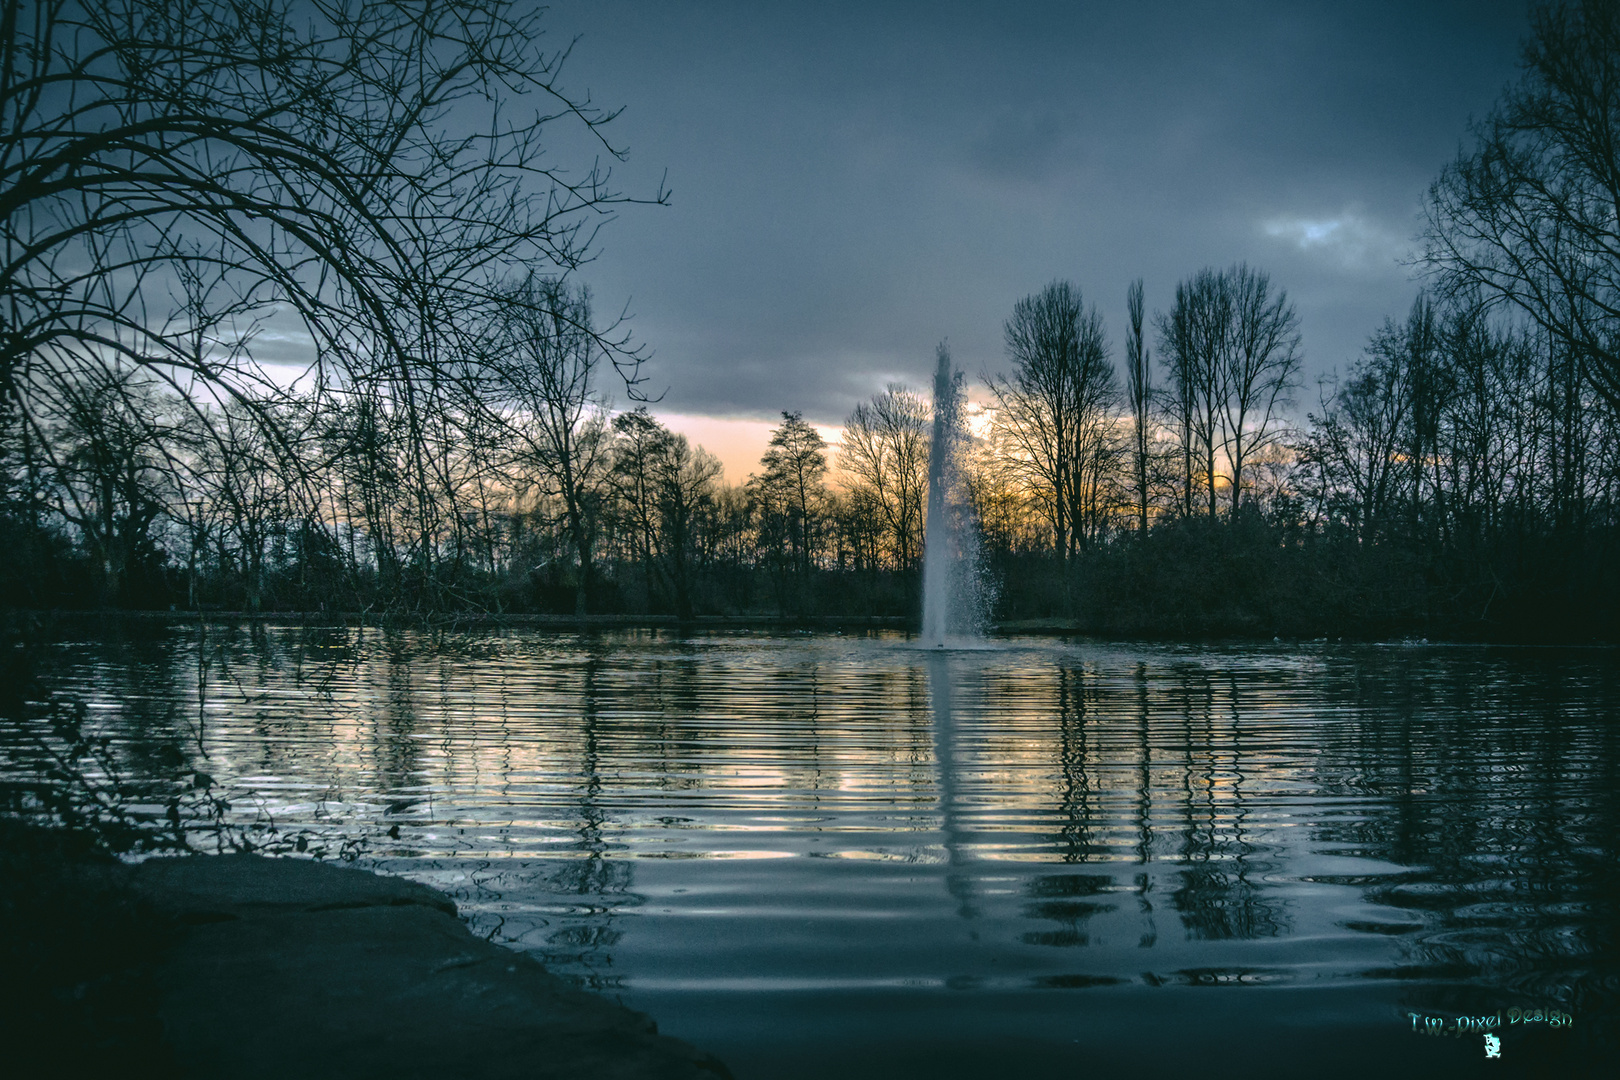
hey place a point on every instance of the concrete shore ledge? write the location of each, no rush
(279, 968)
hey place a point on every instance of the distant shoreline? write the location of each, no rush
(1040, 627)
(453, 619)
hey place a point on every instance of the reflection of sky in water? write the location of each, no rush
(768, 842)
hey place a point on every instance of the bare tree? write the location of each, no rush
(664, 487)
(1234, 358)
(687, 481)
(1007, 513)
(543, 365)
(1261, 367)
(237, 472)
(1139, 393)
(1196, 335)
(182, 184)
(1528, 217)
(634, 479)
(361, 453)
(1421, 344)
(789, 498)
(111, 477)
(1356, 441)
(885, 451)
(1175, 344)
(1054, 410)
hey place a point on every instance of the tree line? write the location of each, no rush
(1462, 465)
(276, 334)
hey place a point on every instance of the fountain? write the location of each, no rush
(955, 598)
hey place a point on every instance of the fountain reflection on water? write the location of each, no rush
(942, 713)
(955, 596)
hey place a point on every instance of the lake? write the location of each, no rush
(846, 856)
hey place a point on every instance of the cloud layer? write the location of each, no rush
(855, 182)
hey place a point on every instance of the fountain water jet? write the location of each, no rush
(955, 599)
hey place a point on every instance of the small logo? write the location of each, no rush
(1493, 1046)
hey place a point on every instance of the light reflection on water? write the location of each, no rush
(819, 852)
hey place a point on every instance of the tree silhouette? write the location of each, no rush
(790, 498)
(183, 183)
(1527, 217)
(1054, 408)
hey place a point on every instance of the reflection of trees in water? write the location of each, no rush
(597, 884)
(397, 751)
(1217, 904)
(1066, 899)
(157, 692)
(1142, 699)
(1074, 839)
(1069, 900)
(675, 731)
(1491, 777)
(246, 669)
(1220, 895)
(151, 694)
(338, 711)
(1497, 784)
(133, 704)
(1162, 753)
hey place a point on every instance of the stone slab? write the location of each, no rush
(214, 887)
(291, 968)
(399, 992)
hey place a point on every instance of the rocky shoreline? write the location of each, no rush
(256, 967)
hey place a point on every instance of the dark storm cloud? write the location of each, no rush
(853, 183)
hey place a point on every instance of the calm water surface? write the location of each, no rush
(829, 856)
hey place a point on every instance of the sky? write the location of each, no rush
(853, 183)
